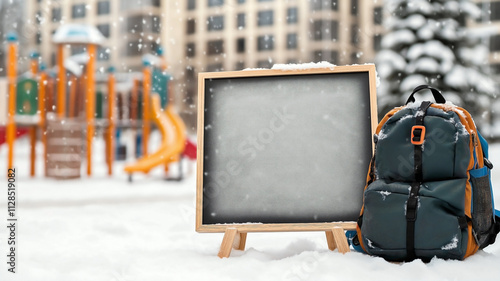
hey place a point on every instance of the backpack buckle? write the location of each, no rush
(417, 134)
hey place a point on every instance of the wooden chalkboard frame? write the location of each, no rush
(242, 229)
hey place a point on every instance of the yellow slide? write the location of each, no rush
(173, 139)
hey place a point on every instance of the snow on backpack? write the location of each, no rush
(428, 190)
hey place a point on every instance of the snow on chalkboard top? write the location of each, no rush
(307, 66)
(303, 66)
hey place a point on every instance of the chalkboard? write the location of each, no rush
(283, 149)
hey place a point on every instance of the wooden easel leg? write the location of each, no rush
(336, 239)
(227, 243)
(241, 242)
(330, 240)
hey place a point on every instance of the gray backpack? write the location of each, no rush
(428, 190)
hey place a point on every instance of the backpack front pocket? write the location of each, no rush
(439, 226)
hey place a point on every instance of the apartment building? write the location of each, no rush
(237, 34)
(214, 35)
(131, 27)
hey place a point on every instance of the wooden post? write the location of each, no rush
(72, 96)
(146, 126)
(81, 94)
(90, 113)
(41, 109)
(336, 239)
(49, 107)
(61, 82)
(111, 120)
(32, 133)
(242, 242)
(11, 76)
(232, 239)
(33, 130)
(170, 95)
(134, 99)
(49, 103)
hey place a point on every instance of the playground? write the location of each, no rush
(68, 107)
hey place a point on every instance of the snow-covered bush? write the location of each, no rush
(428, 42)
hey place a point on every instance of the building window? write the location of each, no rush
(264, 64)
(291, 41)
(292, 15)
(240, 65)
(354, 7)
(325, 30)
(317, 56)
(38, 38)
(103, 54)
(190, 50)
(240, 45)
(378, 15)
(139, 47)
(241, 1)
(134, 5)
(78, 11)
(215, 67)
(215, 23)
(191, 5)
(104, 29)
(318, 5)
(240, 20)
(215, 47)
(495, 43)
(377, 40)
(78, 49)
(190, 74)
(156, 27)
(265, 0)
(53, 59)
(330, 56)
(265, 43)
(191, 26)
(56, 14)
(354, 34)
(265, 18)
(213, 3)
(354, 57)
(103, 8)
(495, 68)
(494, 11)
(140, 23)
(38, 17)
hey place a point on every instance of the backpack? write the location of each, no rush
(428, 191)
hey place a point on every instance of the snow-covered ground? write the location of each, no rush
(103, 228)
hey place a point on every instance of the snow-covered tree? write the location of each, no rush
(428, 42)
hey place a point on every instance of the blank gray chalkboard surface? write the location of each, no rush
(284, 150)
